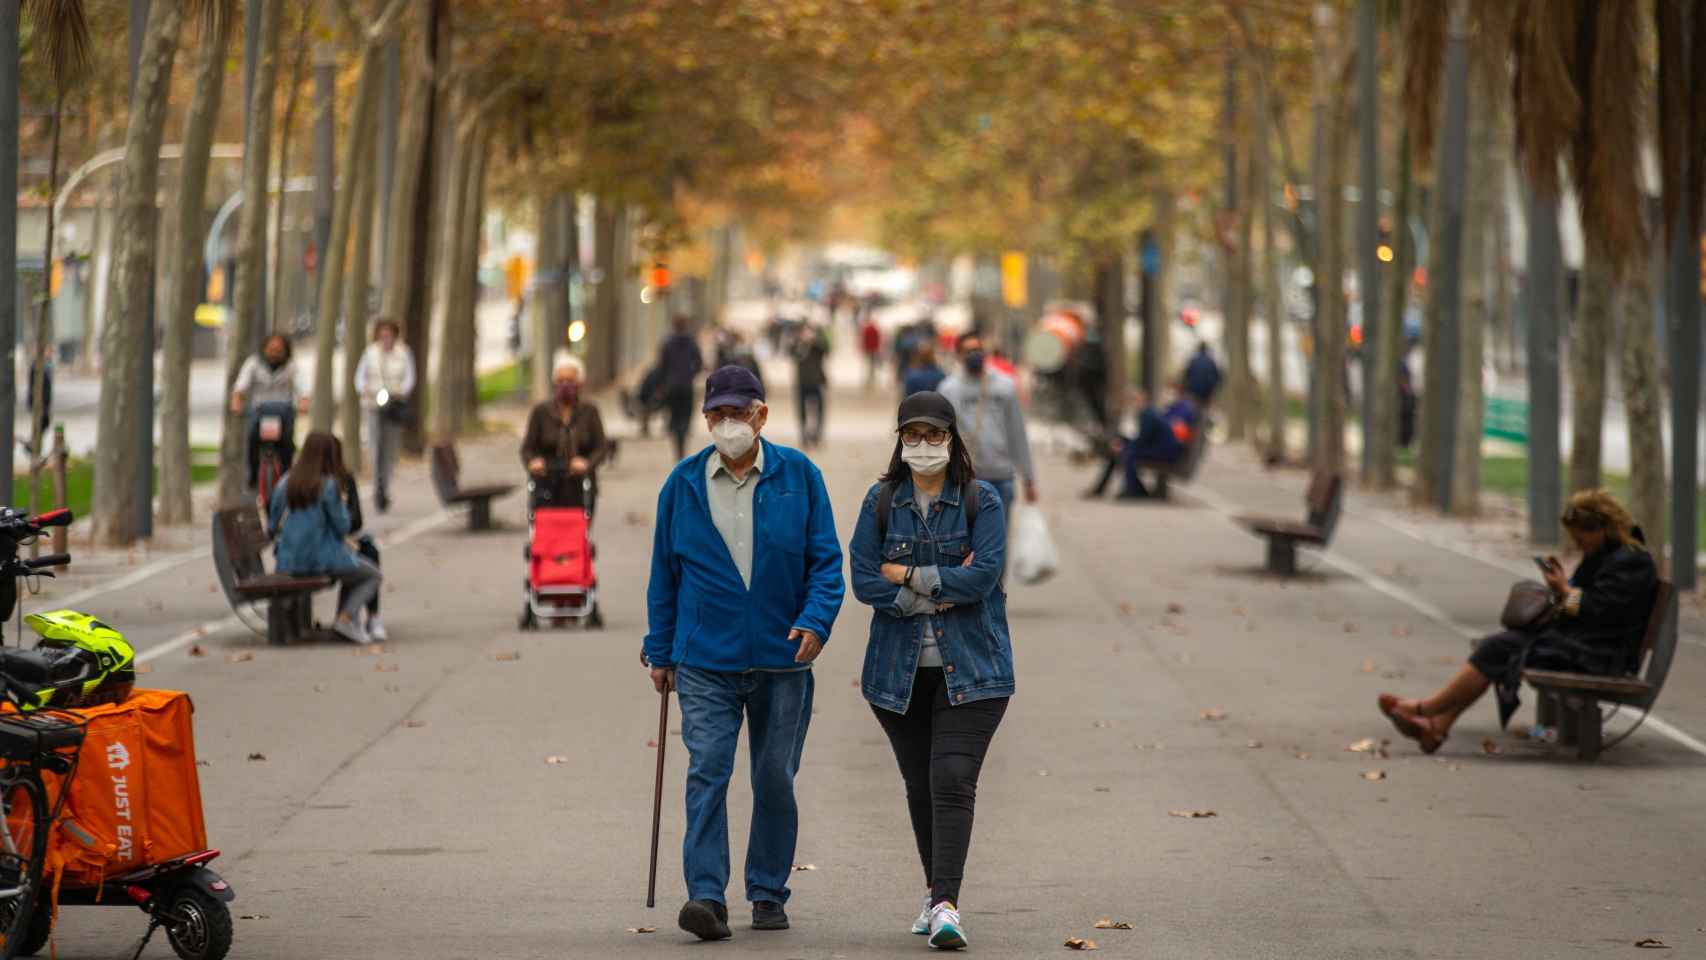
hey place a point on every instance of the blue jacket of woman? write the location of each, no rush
(311, 540)
(971, 635)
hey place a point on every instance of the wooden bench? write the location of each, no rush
(1323, 502)
(446, 479)
(1570, 701)
(239, 543)
(1183, 468)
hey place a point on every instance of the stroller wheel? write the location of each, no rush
(525, 621)
(595, 619)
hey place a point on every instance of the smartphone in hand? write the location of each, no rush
(1544, 563)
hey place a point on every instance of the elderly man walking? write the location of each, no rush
(746, 583)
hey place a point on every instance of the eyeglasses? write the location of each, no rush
(913, 438)
(719, 414)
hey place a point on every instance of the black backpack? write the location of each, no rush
(885, 506)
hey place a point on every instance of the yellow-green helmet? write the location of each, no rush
(105, 663)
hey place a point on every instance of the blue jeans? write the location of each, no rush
(778, 707)
(1005, 489)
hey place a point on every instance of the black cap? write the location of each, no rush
(927, 406)
(732, 386)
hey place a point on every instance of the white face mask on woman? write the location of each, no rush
(733, 438)
(925, 459)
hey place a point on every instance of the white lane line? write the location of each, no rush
(1382, 585)
(182, 640)
(132, 578)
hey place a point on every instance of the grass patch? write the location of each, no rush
(80, 481)
(501, 384)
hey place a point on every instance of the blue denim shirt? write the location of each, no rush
(977, 656)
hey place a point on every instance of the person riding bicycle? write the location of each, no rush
(566, 432)
(267, 387)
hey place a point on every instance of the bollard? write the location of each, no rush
(60, 534)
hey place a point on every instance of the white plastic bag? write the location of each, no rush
(1031, 551)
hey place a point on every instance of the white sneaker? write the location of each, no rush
(376, 629)
(945, 931)
(921, 926)
(351, 631)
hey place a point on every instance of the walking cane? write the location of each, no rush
(657, 798)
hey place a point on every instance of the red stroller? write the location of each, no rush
(561, 584)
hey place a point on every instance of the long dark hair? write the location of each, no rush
(307, 477)
(960, 470)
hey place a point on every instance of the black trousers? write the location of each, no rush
(940, 749)
(811, 415)
(680, 404)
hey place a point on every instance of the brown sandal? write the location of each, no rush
(1415, 726)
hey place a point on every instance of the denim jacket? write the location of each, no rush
(977, 656)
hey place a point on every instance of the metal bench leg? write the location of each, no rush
(1546, 709)
(480, 514)
(281, 616)
(1589, 729)
(1160, 486)
(1282, 556)
(1569, 721)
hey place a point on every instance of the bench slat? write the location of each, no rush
(1557, 679)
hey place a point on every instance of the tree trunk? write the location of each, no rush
(1272, 306)
(1166, 208)
(1239, 387)
(175, 506)
(1485, 166)
(400, 231)
(366, 174)
(467, 315)
(441, 402)
(1643, 402)
(1590, 337)
(43, 340)
(601, 330)
(548, 288)
(416, 228)
(9, 41)
(119, 434)
(1389, 350)
(332, 258)
(1331, 344)
(251, 245)
(292, 97)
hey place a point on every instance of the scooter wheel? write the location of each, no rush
(200, 926)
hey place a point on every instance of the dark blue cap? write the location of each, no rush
(732, 386)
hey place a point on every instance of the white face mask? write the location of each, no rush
(733, 438)
(925, 459)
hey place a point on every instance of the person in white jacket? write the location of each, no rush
(385, 379)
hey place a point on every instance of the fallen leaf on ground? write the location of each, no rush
(1401, 631)
(197, 651)
(1649, 943)
(1079, 943)
(1392, 674)
(1374, 775)
(1127, 609)
(1214, 714)
(1491, 747)
(144, 668)
(553, 759)
(384, 668)
(1042, 773)
(257, 756)
(1104, 790)
(1112, 925)
(1192, 814)
(320, 688)
(799, 867)
(1369, 745)
(199, 632)
(414, 724)
(1102, 724)
(642, 929)
(369, 650)
(1175, 608)
(243, 657)
(1367, 666)
(506, 656)
(651, 744)
(1303, 756)
(1351, 627)
(1254, 744)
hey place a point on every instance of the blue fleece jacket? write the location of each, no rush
(701, 613)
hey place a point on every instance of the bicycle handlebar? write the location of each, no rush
(51, 560)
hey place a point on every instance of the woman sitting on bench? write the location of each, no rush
(1162, 436)
(310, 520)
(1601, 615)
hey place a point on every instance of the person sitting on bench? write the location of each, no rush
(1602, 612)
(1163, 435)
(309, 516)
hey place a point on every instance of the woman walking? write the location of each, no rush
(1602, 611)
(309, 518)
(928, 555)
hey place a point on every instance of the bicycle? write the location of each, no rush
(273, 424)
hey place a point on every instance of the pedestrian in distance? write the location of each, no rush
(922, 371)
(565, 440)
(928, 554)
(385, 381)
(679, 364)
(1601, 614)
(811, 349)
(363, 542)
(871, 345)
(988, 413)
(268, 380)
(1202, 375)
(310, 520)
(746, 582)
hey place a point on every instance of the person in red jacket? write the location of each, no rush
(871, 344)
